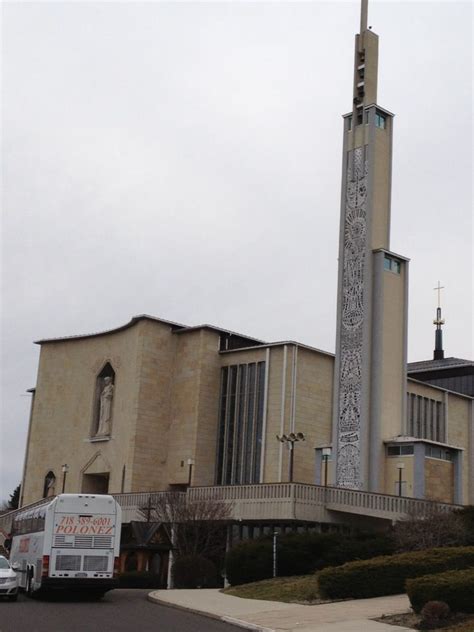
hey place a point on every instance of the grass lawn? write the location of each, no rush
(302, 589)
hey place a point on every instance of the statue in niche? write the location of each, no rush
(105, 408)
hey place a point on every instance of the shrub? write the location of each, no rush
(249, 562)
(194, 571)
(433, 614)
(435, 528)
(138, 579)
(455, 587)
(386, 575)
(467, 516)
(299, 554)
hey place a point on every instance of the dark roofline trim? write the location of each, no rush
(115, 330)
(279, 344)
(177, 328)
(439, 388)
(220, 330)
(427, 368)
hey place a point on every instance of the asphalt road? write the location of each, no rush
(118, 611)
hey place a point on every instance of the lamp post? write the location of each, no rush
(326, 453)
(65, 470)
(190, 466)
(290, 440)
(275, 568)
(400, 467)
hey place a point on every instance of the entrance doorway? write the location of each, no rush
(95, 483)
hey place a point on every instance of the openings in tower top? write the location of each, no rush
(359, 92)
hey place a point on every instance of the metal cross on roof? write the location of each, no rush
(439, 288)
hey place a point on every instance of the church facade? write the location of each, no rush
(155, 405)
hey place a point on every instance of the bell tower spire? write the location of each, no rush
(364, 10)
(371, 338)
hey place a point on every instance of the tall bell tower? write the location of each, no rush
(371, 338)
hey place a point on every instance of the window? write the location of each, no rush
(241, 415)
(436, 452)
(349, 123)
(392, 264)
(400, 450)
(366, 117)
(380, 120)
(425, 418)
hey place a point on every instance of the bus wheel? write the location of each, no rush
(12, 597)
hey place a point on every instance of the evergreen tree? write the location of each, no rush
(14, 498)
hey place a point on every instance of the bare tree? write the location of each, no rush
(434, 528)
(195, 527)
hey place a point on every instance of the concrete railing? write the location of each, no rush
(276, 501)
(132, 503)
(380, 505)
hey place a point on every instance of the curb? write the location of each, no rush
(210, 615)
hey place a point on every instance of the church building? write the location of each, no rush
(157, 405)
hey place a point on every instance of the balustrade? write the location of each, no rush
(275, 501)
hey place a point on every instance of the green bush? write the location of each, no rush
(467, 515)
(249, 562)
(386, 575)
(299, 554)
(194, 571)
(456, 588)
(138, 579)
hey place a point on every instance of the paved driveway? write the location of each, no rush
(119, 611)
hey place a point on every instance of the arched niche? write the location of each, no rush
(49, 487)
(103, 402)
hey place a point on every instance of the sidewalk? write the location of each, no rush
(274, 616)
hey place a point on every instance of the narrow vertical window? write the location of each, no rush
(239, 425)
(259, 424)
(222, 424)
(250, 424)
(380, 120)
(229, 448)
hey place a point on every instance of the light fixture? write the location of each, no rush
(290, 440)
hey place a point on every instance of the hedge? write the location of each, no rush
(194, 571)
(456, 588)
(387, 575)
(300, 554)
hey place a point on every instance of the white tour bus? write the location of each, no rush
(72, 542)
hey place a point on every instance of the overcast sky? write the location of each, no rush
(184, 160)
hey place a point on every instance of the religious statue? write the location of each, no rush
(105, 410)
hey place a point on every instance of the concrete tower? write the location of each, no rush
(371, 339)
